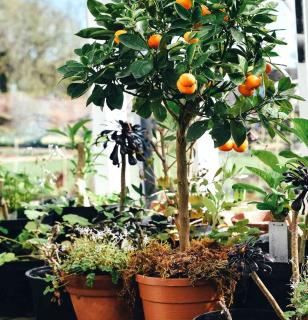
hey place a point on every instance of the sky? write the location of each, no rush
(76, 8)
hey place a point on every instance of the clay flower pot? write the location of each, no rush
(257, 219)
(100, 302)
(175, 299)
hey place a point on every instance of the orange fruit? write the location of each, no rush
(268, 68)
(117, 34)
(187, 4)
(187, 83)
(190, 40)
(154, 41)
(205, 10)
(226, 18)
(228, 146)
(242, 148)
(253, 82)
(245, 91)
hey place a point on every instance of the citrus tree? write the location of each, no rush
(205, 62)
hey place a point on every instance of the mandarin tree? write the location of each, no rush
(196, 82)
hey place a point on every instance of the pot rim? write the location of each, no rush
(169, 282)
(29, 273)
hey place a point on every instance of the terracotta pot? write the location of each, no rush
(100, 302)
(176, 299)
(257, 219)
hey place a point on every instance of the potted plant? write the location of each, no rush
(186, 60)
(89, 266)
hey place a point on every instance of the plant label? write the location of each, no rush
(278, 241)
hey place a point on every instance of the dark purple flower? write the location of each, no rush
(247, 258)
(129, 140)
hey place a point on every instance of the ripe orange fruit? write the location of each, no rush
(268, 68)
(190, 40)
(242, 148)
(187, 4)
(228, 146)
(245, 91)
(154, 41)
(117, 34)
(253, 82)
(205, 10)
(187, 83)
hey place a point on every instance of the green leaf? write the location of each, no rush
(142, 107)
(96, 7)
(73, 219)
(237, 77)
(182, 12)
(34, 214)
(238, 132)
(196, 130)
(191, 52)
(259, 67)
(221, 133)
(248, 187)
(301, 129)
(159, 111)
(237, 35)
(133, 41)
(268, 158)
(114, 96)
(210, 205)
(141, 68)
(285, 106)
(95, 33)
(76, 90)
(285, 84)
(263, 18)
(267, 177)
(6, 257)
(97, 97)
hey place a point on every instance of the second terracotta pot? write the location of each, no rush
(100, 302)
(176, 299)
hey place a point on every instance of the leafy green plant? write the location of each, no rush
(276, 198)
(26, 245)
(80, 139)
(299, 300)
(19, 189)
(238, 233)
(231, 42)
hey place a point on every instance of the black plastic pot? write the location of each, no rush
(240, 314)
(44, 307)
(248, 295)
(14, 227)
(15, 292)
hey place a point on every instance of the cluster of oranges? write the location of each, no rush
(230, 144)
(252, 82)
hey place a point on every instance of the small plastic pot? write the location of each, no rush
(44, 308)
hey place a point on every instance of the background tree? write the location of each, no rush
(203, 62)
(32, 37)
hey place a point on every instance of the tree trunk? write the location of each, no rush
(80, 183)
(183, 189)
(294, 248)
(123, 183)
(304, 238)
(268, 296)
